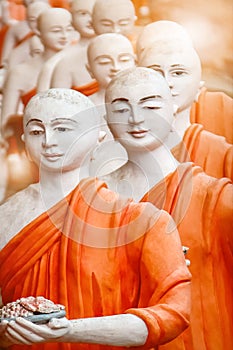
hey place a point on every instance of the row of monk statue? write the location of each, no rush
(116, 182)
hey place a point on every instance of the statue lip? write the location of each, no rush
(52, 155)
(138, 132)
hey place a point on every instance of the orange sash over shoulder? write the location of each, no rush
(3, 32)
(202, 208)
(25, 38)
(101, 262)
(26, 97)
(87, 89)
(214, 110)
(211, 152)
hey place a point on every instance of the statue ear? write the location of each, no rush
(23, 137)
(89, 71)
(201, 85)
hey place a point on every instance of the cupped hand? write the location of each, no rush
(22, 331)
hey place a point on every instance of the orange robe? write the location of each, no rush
(211, 152)
(201, 206)
(214, 110)
(87, 89)
(101, 262)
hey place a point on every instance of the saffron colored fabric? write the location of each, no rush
(99, 254)
(211, 152)
(214, 110)
(87, 89)
(202, 208)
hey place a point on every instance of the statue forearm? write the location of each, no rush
(118, 330)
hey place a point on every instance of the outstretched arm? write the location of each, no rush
(117, 330)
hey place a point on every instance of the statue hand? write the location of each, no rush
(22, 331)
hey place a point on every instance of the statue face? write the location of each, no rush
(55, 29)
(108, 55)
(82, 17)
(140, 112)
(58, 136)
(182, 71)
(114, 18)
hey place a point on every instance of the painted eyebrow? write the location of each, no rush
(34, 120)
(56, 120)
(120, 99)
(149, 98)
(154, 65)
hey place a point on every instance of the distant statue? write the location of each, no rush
(21, 53)
(180, 64)
(70, 71)
(107, 54)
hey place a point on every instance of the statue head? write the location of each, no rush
(139, 109)
(180, 64)
(55, 29)
(82, 17)
(107, 55)
(113, 16)
(61, 128)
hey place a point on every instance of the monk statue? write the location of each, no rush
(212, 109)
(56, 30)
(107, 54)
(70, 71)
(21, 53)
(116, 265)
(180, 65)
(115, 16)
(139, 107)
(15, 35)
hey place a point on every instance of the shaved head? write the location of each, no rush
(159, 30)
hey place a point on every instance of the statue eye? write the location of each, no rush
(36, 132)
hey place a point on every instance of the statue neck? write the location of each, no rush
(156, 164)
(182, 122)
(54, 186)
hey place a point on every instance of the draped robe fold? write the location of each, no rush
(214, 110)
(87, 89)
(99, 254)
(211, 152)
(202, 208)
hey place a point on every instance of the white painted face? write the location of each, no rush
(82, 17)
(113, 16)
(139, 109)
(108, 54)
(182, 70)
(55, 28)
(58, 134)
